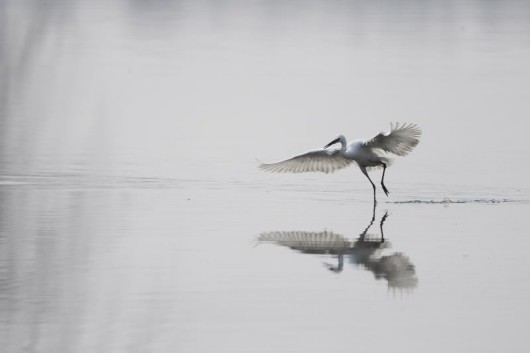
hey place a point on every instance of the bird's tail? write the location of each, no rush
(387, 160)
(383, 157)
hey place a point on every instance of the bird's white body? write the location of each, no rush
(361, 154)
(366, 153)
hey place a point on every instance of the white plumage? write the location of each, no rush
(318, 160)
(401, 139)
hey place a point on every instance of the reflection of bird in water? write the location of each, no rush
(371, 153)
(365, 251)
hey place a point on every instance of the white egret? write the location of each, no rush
(371, 153)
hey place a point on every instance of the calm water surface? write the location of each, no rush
(133, 217)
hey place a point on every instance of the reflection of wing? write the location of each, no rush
(365, 251)
(320, 160)
(309, 242)
(396, 269)
(400, 141)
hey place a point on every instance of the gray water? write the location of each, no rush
(133, 217)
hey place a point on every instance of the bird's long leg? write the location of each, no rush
(383, 179)
(381, 226)
(363, 169)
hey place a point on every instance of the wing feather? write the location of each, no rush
(319, 160)
(400, 141)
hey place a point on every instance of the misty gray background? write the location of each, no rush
(131, 205)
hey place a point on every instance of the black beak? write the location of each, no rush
(332, 143)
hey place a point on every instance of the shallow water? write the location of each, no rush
(133, 217)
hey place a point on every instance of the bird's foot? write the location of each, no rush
(385, 189)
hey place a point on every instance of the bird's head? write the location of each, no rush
(339, 138)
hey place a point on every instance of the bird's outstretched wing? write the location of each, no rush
(320, 160)
(400, 141)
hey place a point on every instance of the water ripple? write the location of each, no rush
(447, 201)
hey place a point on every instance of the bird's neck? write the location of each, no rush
(343, 143)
